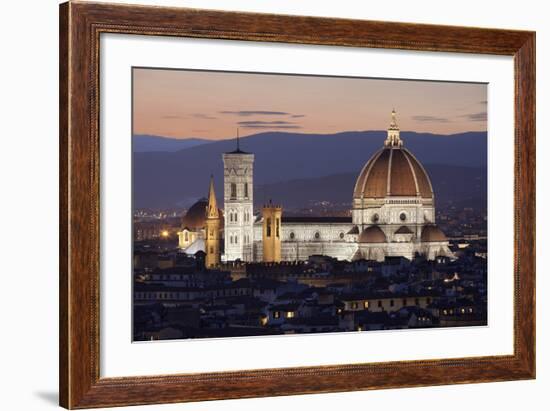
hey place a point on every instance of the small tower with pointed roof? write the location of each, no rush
(213, 225)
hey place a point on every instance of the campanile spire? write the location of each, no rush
(213, 226)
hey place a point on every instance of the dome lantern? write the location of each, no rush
(393, 139)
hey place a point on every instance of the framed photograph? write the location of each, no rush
(260, 205)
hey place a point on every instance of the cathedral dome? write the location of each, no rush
(195, 218)
(432, 233)
(372, 234)
(393, 171)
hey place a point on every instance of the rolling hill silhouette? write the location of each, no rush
(284, 160)
(145, 143)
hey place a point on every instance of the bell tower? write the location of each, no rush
(212, 241)
(238, 179)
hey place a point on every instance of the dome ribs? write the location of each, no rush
(376, 182)
(424, 184)
(402, 181)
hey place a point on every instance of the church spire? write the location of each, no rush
(212, 229)
(212, 210)
(393, 139)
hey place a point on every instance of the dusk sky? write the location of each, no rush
(212, 105)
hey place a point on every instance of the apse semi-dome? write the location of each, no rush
(372, 234)
(432, 233)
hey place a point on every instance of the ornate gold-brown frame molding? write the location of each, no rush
(80, 27)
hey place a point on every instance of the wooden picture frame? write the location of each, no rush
(80, 27)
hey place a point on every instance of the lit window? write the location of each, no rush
(366, 304)
(290, 314)
(276, 314)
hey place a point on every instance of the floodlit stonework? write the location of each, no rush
(393, 214)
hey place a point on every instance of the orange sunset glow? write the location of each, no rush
(211, 105)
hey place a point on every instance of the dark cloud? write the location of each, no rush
(264, 123)
(246, 113)
(172, 117)
(204, 116)
(431, 119)
(484, 102)
(481, 116)
(298, 115)
(269, 124)
(272, 127)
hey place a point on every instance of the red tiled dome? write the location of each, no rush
(195, 218)
(393, 171)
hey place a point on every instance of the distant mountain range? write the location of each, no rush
(461, 185)
(295, 169)
(144, 143)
